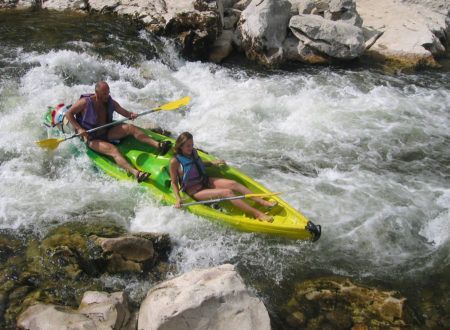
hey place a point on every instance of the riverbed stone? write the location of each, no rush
(339, 303)
(263, 28)
(333, 38)
(214, 298)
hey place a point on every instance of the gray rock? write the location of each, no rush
(214, 298)
(263, 28)
(305, 6)
(335, 39)
(61, 5)
(222, 47)
(344, 11)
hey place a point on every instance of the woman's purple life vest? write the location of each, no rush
(88, 119)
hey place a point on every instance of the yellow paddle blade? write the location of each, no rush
(262, 195)
(49, 144)
(175, 104)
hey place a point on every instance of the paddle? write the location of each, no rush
(52, 144)
(209, 201)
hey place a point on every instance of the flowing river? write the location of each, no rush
(364, 154)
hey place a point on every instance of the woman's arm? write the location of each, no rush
(216, 162)
(174, 165)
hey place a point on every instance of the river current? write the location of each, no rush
(362, 153)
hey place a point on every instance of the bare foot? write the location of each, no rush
(265, 218)
(270, 205)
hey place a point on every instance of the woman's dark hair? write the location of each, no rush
(181, 140)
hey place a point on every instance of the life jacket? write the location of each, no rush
(88, 118)
(187, 164)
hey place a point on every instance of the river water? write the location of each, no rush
(364, 154)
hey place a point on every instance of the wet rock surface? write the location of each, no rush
(59, 268)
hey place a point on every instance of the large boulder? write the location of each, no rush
(263, 28)
(214, 298)
(333, 38)
(410, 35)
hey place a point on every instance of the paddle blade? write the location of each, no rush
(175, 104)
(262, 195)
(49, 144)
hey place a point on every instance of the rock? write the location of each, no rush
(263, 28)
(107, 310)
(51, 317)
(231, 17)
(222, 47)
(339, 304)
(424, 32)
(242, 4)
(214, 298)
(129, 247)
(64, 4)
(296, 50)
(344, 11)
(335, 39)
(98, 310)
(305, 7)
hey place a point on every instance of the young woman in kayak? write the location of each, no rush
(188, 171)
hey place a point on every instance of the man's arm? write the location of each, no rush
(124, 112)
(77, 107)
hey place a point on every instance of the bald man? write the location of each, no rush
(94, 110)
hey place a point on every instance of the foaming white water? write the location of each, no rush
(358, 153)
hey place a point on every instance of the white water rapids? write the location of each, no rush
(363, 154)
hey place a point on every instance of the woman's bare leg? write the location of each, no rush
(236, 186)
(214, 193)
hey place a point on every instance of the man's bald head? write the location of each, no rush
(102, 91)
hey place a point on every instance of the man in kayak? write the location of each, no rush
(188, 171)
(94, 110)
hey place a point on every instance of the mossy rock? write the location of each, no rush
(337, 303)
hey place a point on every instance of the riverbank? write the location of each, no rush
(301, 31)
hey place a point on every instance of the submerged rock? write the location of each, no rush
(338, 303)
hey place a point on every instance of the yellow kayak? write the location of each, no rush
(288, 222)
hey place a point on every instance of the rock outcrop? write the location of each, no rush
(409, 34)
(273, 32)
